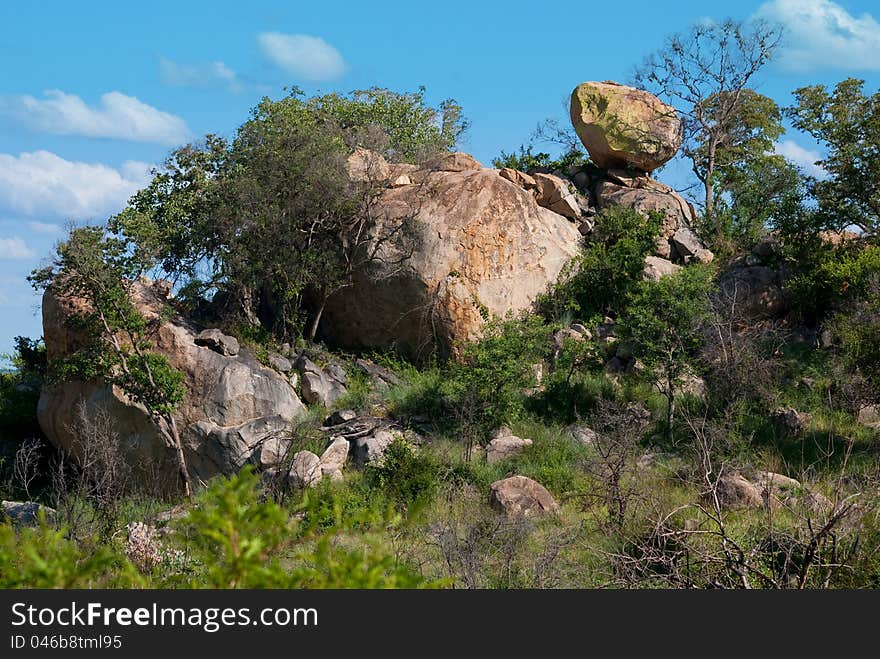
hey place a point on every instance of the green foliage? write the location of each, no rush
(609, 268)
(847, 123)
(856, 329)
(42, 557)
(406, 476)
(100, 270)
(527, 160)
(235, 537)
(20, 389)
(663, 326)
(485, 387)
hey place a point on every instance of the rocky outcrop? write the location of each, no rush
(557, 195)
(322, 386)
(305, 470)
(478, 245)
(518, 496)
(624, 127)
(231, 403)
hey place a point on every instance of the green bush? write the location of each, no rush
(611, 266)
(406, 476)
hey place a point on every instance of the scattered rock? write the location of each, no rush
(367, 166)
(305, 470)
(519, 178)
(381, 377)
(557, 196)
(757, 291)
(657, 268)
(340, 416)
(217, 341)
(624, 127)
(505, 445)
(769, 489)
(280, 363)
(319, 387)
(334, 456)
(584, 435)
(869, 416)
(371, 448)
(454, 162)
(25, 513)
(648, 196)
(518, 496)
(273, 451)
(791, 420)
(735, 491)
(689, 248)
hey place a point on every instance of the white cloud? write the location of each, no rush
(804, 158)
(43, 185)
(199, 76)
(15, 249)
(302, 55)
(45, 228)
(116, 116)
(820, 34)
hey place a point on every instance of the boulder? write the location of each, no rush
(624, 127)
(648, 196)
(370, 449)
(519, 178)
(478, 247)
(794, 422)
(319, 386)
(231, 403)
(584, 435)
(768, 489)
(689, 248)
(273, 451)
(218, 342)
(340, 416)
(381, 378)
(305, 470)
(869, 416)
(518, 496)
(505, 445)
(756, 291)
(279, 363)
(367, 166)
(657, 268)
(334, 456)
(453, 162)
(736, 491)
(25, 513)
(557, 195)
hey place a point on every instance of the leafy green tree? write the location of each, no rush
(705, 73)
(662, 325)
(100, 272)
(847, 123)
(206, 220)
(610, 266)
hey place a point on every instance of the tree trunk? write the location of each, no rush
(710, 171)
(670, 407)
(316, 321)
(181, 459)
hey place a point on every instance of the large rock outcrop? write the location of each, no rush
(231, 404)
(624, 127)
(478, 245)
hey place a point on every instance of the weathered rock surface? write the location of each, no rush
(231, 403)
(305, 470)
(657, 268)
(869, 416)
(320, 386)
(689, 248)
(584, 435)
(755, 290)
(791, 420)
(648, 196)
(218, 342)
(333, 458)
(624, 127)
(480, 245)
(25, 513)
(557, 195)
(518, 496)
(519, 178)
(505, 445)
(768, 489)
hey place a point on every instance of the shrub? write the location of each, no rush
(405, 475)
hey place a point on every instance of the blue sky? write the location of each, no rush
(94, 93)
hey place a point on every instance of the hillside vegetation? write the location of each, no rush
(692, 402)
